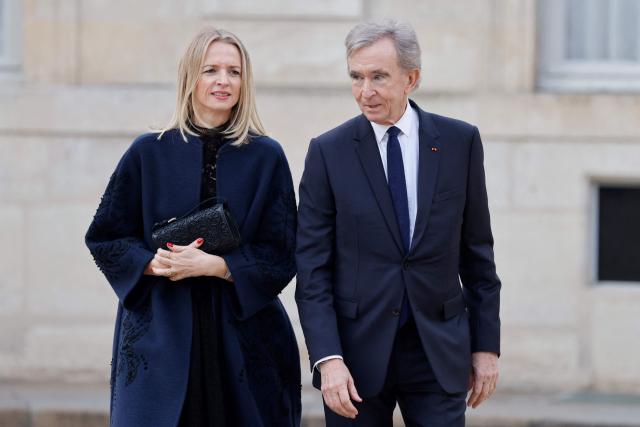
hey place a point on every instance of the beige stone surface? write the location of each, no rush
(62, 279)
(542, 261)
(542, 358)
(498, 169)
(12, 260)
(562, 175)
(278, 9)
(614, 331)
(81, 352)
(51, 41)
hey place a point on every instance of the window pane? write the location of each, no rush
(2, 28)
(619, 234)
(625, 46)
(576, 30)
(602, 30)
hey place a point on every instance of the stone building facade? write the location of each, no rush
(79, 79)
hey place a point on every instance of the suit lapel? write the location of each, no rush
(428, 163)
(369, 155)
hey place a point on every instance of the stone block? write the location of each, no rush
(278, 9)
(498, 171)
(614, 315)
(80, 167)
(79, 353)
(560, 175)
(12, 259)
(541, 258)
(23, 169)
(51, 41)
(511, 59)
(47, 167)
(541, 358)
(63, 279)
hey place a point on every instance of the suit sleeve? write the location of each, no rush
(115, 236)
(315, 258)
(481, 285)
(263, 267)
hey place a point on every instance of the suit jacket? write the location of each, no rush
(160, 179)
(352, 268)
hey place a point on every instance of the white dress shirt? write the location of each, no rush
(409, 139)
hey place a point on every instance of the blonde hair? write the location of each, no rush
(244, 117)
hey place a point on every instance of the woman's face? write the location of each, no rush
(218, 88)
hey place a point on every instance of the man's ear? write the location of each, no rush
(412, 81)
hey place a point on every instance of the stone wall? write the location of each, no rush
(96, 73)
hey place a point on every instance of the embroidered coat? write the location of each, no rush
(160, 179)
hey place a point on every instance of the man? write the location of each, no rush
(393, 216)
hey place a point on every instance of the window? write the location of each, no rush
(618, 233)
(10, 36)
(589, 45)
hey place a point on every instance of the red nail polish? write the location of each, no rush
(200, 241)
(170, 245)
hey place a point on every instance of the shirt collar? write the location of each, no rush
(405, 124)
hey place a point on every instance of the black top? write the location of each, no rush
(204, 401)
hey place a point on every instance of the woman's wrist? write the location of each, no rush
(216, 267)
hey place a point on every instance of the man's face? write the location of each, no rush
(379, 85)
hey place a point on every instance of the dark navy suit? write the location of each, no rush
(353, 270)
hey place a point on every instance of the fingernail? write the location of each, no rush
(200, 241)
(170, 245)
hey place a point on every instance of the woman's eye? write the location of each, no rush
(235, 72)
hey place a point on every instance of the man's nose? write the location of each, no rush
(367, 90)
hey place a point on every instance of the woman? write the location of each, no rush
(202, 339)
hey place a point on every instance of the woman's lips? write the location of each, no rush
(221, 95)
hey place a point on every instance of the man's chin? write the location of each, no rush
(371, 116)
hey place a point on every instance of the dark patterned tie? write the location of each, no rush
(398, 189)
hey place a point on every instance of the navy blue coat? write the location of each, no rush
(159, 179)
(352, 268)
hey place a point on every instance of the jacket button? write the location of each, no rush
(395, 312)
(405, 265)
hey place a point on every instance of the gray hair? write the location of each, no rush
(401, 33)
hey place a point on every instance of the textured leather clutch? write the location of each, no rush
(214, 224)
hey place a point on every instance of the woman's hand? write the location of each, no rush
(154, 264)
(187, 261)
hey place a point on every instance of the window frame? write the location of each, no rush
(11, 28)
(556, 73)
(596, 185)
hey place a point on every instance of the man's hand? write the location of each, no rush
(484, 377)
(338, 388)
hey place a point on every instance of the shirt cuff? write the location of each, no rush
(324, 359)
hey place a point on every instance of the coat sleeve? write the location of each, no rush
(315, 256)
(263, 267)
(115, 236)
(481, 285)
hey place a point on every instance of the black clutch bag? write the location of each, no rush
(214, 224)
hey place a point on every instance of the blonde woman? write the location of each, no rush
(202, 339)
